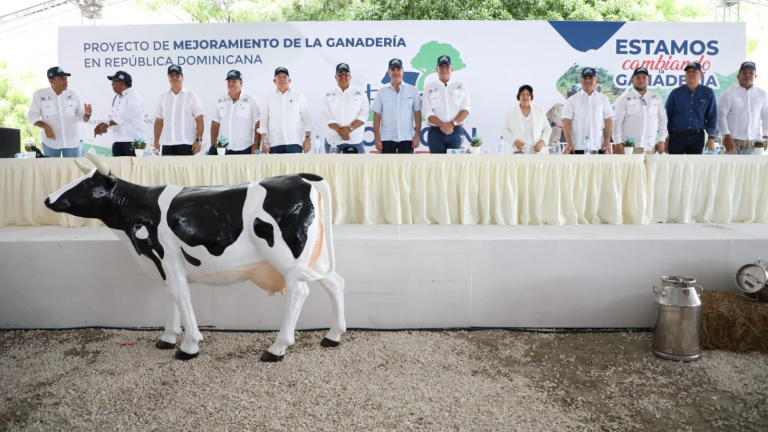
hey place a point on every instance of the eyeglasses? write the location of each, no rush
(642, 100)
(343, 74)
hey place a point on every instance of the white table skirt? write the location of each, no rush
(720, 189)
(445, 189)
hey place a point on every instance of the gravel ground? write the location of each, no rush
(490, 380)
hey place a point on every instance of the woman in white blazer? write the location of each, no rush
(526, 125)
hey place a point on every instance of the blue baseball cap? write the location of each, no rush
(444, 59)
(395, 62)
(282, 70)
(588, 71)
(175, 68)
(694, 64)
(57, 72)
(746, 64)
(234, 75)
(639, 71)
(122, 76)
(342, 67)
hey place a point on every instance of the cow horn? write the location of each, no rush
(82, 166)
(100, 164)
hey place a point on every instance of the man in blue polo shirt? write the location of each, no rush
(691, 110)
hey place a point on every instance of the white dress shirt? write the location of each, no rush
(178, 112)
(587, 114)
(343, 107)
(61, 113)
(739, 112)
(396, 109)
(444, 100)
(643, 118)
(237, 120)
(128, 113)
(285, 118)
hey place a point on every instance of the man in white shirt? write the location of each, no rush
(236, 118)
(587, 118)
(178, 118)
(394, 109)
(640, 115)
(344, 111)
(285, 124)
(56, 110)
(741, 108)
(446, 105)
(127, 115)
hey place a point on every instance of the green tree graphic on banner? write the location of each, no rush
(425, 60)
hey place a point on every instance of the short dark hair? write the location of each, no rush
(525, 87)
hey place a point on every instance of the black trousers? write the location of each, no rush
(122, 148)
(397, 147)
(177, 150)
(686, 143)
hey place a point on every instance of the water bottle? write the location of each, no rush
(318, 145)
(502, 146)
(587, 145)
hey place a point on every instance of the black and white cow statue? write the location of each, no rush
(277, 233)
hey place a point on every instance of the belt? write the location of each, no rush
(687, 132)
(437, 128)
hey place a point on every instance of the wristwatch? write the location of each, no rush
(453, 122)
(199, 139)
(351, 128)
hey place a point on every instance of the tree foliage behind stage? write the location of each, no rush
(15, 98)
(205, 11)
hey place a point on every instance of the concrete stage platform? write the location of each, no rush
(410, 276)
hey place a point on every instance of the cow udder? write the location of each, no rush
(267, 277)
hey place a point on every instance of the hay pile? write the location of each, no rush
(733, 323)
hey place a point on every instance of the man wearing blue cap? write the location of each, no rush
(640, 115)
(178, 118)
(740, 110)
(285, 124)
(344, 111)
(396, 106)
(587, 118)
(236, 118)
(691, 110)
(446, 105)
(56, 110)
(126, 116)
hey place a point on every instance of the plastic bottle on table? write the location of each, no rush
(502, 146)
(587, 145)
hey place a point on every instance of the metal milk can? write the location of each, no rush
(677, 332)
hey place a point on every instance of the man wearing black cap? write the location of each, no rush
(285, 124)
(691, 110)
(344, 111)
(740, 110)
(236, 118)
(178, 118)
(640, 115)
(446, 105)
(396, 106)
(56, 110)
(127, 115)
(587, 118)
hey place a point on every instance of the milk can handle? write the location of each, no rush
(699, 289)
(658, 290)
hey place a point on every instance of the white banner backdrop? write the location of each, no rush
(493, 58)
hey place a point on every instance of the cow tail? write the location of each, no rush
(306, 273)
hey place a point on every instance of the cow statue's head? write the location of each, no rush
(87, 196)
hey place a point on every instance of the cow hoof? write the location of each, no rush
(329, 343)
(161, 344)
(181, 355)
(269, 357)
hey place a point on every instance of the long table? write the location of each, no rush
(445, 189)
